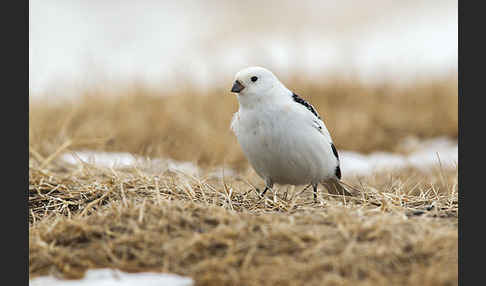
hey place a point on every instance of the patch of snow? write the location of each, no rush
(114, 277)
(105, 159)
(425, 156)
(149, 165)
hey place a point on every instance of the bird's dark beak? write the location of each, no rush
(237, 87)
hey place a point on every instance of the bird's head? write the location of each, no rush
(254, 82)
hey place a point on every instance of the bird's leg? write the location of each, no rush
(268, 186)
(314, 186)
(264, 191)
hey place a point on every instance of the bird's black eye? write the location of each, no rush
(254, 78)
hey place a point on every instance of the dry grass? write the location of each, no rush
(401, 230)
(219, 232)
(190, 127)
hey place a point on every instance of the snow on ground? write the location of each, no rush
(113, 277)
(424, 155)
(149, 165)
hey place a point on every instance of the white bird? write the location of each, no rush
(282, 135)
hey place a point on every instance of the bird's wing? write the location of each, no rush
(316, 119)
(318, 124)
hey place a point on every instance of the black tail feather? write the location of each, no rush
(337, 187)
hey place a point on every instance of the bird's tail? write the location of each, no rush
(337, 187)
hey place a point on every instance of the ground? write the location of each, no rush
(400, 230)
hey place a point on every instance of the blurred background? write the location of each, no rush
(152, 77)
(167, 44)
(132, 164)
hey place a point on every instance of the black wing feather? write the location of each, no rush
(334, 151)
(307, 105)
(337, 172)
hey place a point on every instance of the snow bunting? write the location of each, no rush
(282, 135)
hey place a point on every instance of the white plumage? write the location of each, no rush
(282, 135)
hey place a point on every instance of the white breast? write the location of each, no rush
(283, 144)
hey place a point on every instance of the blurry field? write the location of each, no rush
(190, 127)
(401, 230)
